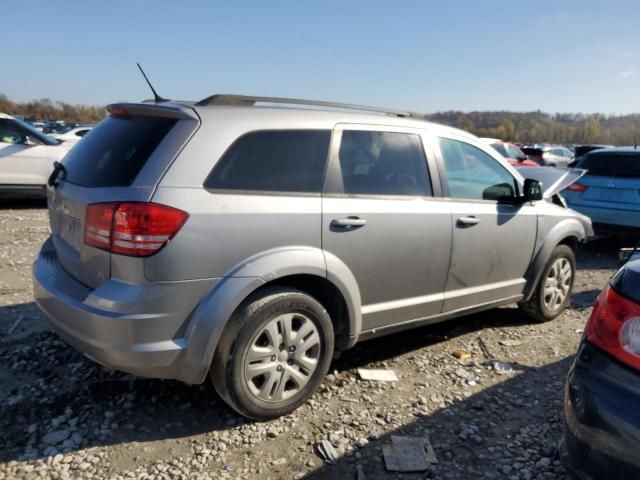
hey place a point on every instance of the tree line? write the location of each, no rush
(530, 127)
(524, 127)
(46, 109)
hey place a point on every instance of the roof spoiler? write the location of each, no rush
(249, 101)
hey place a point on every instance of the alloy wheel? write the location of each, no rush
(557, 284)
(282, 357)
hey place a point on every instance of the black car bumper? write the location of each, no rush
(602, 417)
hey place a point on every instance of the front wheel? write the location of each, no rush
(273, 354)
(553, 292)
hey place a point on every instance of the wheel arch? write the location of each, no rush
(311, 270)
(569, 232)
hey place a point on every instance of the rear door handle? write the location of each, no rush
(468, 221)
(349, 222)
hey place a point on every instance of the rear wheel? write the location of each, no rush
(273, 354)
(553, 292)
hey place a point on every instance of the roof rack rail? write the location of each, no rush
(249, 100)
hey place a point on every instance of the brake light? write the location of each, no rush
(118, 111)
(136, 229)
(614, 326)
(576, 187)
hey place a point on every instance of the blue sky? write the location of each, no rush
(558, 56)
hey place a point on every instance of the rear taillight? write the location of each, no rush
(614, 326)
(137, 229)
(576, 187)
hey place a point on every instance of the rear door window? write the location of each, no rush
(383, 163)
(116, 151)
(273, 161)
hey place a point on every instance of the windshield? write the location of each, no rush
(31, 132)
(19, 131)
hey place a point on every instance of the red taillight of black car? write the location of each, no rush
(614, 326)
(131, 228)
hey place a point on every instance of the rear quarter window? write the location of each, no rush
(116, 151)
(273, 161)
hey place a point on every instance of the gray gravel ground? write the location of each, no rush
(63, 417)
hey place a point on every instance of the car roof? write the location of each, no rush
(4, 115)
(314, 113)
(600, 151)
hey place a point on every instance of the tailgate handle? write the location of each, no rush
(468, 221)
(349, 222)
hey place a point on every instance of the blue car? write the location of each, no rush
(610, 191)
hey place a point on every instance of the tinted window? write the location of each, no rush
(473, 174)
(9, 133)
(500, 148)
(280, 161)
(515, 152)
(116, 151)
(81, 133)
(622, 165)
(383, 163)
(13, 130)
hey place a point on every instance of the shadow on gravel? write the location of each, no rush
(390, 346)
(22, 203)
(602, 252)
(52, 388)
(500, 432)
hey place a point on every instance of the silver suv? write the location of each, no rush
(250, 240)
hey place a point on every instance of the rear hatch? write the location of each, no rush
(612, 181)
(121, 159)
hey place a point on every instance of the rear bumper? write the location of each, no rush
(609, 217)
(140, 329)
(602, 421)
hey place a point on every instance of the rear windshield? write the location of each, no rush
(115, 151)
(621, 165)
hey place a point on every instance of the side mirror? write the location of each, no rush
(532, 190)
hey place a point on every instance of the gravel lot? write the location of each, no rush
(65, 417)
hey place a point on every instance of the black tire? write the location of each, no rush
(227, 370)
(536, 307)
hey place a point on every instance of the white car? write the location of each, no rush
(26, 157)
(74, 134)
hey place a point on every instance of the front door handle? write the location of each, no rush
(468, 221)
(349, 222)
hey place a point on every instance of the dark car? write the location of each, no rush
(602, 395)
(581, 150)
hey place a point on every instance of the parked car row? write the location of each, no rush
(549, 155)
(609, 193)
(27, 155)
(533, 154)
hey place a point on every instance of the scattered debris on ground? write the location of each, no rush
(377, 375)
